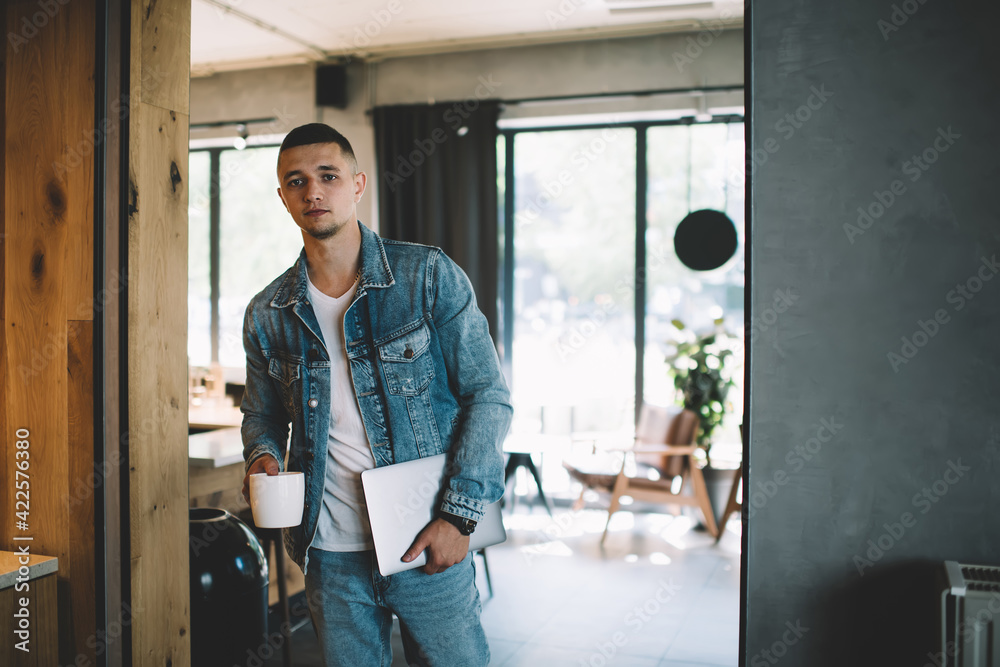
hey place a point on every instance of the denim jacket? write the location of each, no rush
(425, 372)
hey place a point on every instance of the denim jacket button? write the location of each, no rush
(313, 402)
(310, 455)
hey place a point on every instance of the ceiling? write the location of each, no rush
(243, 34)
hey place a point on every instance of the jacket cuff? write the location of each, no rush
(462, 506)
(260, 451)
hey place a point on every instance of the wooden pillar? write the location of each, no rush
(157, 330)
(54, 315)
(46, 298)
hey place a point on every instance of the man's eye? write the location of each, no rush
(329, 177)
(296, 182)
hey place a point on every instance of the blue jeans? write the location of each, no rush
(352, 606)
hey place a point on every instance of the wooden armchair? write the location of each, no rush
(735, 502)
(664, 449)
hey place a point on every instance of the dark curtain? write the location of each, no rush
(437, 184)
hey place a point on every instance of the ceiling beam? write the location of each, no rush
(316, 51)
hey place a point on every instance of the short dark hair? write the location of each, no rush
(319, 133)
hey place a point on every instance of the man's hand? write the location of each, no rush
(445, 546)
(265, 463)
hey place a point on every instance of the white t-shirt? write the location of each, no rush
(343, 519)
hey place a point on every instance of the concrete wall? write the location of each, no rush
(577, 68)
(288, 95)
(671, 61)
(875, 443)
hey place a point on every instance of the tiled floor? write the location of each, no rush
(658, 593)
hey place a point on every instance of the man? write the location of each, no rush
(375, 352)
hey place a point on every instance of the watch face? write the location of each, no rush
(470, 527)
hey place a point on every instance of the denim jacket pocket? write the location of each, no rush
(406, 362)
(286, 372)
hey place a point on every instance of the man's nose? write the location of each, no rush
(313, 192)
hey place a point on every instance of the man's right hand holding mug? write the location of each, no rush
(265, 464)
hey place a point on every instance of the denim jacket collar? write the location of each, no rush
(375, 271)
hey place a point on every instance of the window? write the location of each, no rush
(574, 259)
(577, 271)
(199, 280)
(690, 168)
(256, 242)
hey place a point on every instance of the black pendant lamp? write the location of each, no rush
(705, 239)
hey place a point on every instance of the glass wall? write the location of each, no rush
(574, 266)
(258, 241)
(573, 357)
(199, 281)
(574, 258)
(690, 167)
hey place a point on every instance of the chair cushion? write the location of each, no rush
(651, 484)
(674, 426)
(593, 479)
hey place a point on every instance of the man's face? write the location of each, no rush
(319, 189)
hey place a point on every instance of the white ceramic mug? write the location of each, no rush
(277, 500)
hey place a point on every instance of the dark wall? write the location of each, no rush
(872, 458)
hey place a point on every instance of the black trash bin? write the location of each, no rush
(228, 591)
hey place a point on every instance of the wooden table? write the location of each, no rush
(215, 470)
(42, 610)
(213, 417)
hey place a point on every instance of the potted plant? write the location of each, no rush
(702, 367)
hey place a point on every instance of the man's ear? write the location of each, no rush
(360, 180)
(282, 198)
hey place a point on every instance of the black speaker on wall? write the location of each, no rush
(331, 86)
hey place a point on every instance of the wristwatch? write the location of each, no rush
(465, 526)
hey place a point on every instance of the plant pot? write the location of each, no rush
(228, 589)
(719, 482)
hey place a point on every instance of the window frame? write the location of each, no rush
(215, 235)
(641, 208)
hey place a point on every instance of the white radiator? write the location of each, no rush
(970, 617)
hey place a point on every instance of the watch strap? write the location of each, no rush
(464, 525)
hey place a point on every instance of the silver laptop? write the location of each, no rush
(401, 499)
